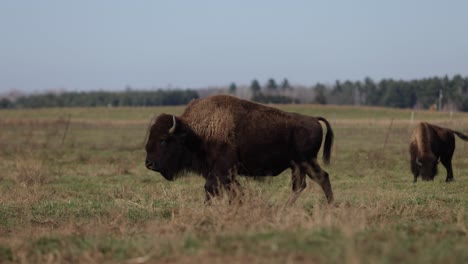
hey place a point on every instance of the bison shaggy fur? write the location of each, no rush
(222, 136)
(429, 145)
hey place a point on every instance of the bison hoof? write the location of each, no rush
(450, 180)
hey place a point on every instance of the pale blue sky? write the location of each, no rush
(109, 44)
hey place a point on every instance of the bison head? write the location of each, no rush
(428, 167)
(167, 148)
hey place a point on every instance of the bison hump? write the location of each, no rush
(210, 122)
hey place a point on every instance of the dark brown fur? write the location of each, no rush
(222, 136)
(429, 145)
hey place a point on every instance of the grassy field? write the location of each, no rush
(73, 188)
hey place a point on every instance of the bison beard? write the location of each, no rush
(430, 145)
(222, 136)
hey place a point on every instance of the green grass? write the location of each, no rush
(82, 194)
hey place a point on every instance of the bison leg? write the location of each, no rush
(233, 187)
(298, 179)
(414, 165)
(298, 182)
(415, 170)
(317, 174)
(211, 189)
(217, 183)
(447, 162)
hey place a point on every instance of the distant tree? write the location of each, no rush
(397, 94)
(337, 88)
(458, 93)
(358, 92)
(285, 85)
(370, 91)
(343, 93)
(274, 99)
(5, 103)
(320, 97)
(255, 87)
(232, 88)
(459, 84)
(271, 85)
(464, 103)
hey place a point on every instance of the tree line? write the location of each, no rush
(101, 98)
(273, 93)
(428, 93)
(451, 93)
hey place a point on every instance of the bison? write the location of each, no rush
(222, 136)
(429, 145)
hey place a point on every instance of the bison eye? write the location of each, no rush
(163, 141)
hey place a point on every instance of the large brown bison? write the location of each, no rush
(429, 145)
(222, 136)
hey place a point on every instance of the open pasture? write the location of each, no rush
(74, 188)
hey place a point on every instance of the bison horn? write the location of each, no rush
(172, 129)
(418, 162)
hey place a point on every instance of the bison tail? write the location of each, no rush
(328, 141)
(460, 135)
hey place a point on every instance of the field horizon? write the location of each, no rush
(74, 189)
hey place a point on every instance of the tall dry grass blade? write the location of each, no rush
(388, 134)
(67, 125)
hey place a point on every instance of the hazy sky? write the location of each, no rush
(109, 44)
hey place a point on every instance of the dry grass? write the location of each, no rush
(31, 171)
(89, 199)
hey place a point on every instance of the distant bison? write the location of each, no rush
(429, 145)
(222, 136)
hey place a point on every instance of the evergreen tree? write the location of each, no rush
(5, 103)
(271, 85)
(232, 88)
(320, 97)
(285, 85)
(255, 87)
